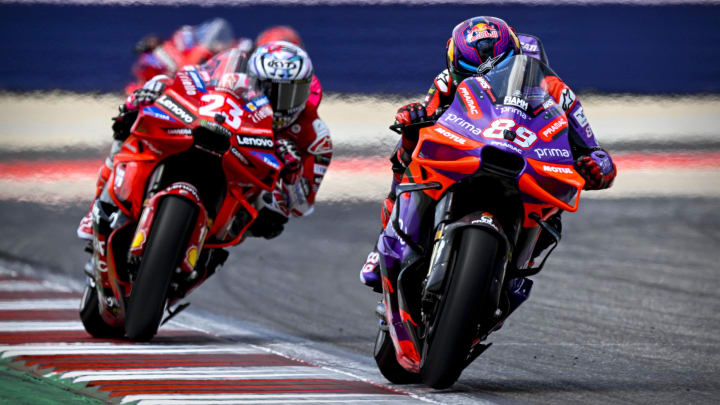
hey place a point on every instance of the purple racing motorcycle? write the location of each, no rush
(485, 179)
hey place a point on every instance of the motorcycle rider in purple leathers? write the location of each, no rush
(475, 47)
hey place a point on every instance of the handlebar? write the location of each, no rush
(426, 122)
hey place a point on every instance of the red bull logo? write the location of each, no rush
(481, 31)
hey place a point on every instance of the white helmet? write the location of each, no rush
(284, 71)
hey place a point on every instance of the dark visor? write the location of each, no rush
(287, 96)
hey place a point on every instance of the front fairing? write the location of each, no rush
(224, 115)
(508, 124)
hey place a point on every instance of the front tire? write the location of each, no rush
(168, 237)
(454, 326)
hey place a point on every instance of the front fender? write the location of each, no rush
(442, 253)
(197, 238)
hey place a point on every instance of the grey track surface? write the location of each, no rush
(625, 312)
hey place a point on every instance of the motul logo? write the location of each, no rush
(555, 169)
(469, 102)
(450, 135)
(553, 128)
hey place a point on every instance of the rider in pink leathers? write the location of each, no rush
(474, 48)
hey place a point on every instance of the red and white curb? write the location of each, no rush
(40, 333)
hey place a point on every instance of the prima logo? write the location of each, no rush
(457, 121)
(552, 152)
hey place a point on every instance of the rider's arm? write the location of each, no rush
(315, 148)
(592, 161)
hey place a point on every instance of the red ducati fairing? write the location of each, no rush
(206, 144)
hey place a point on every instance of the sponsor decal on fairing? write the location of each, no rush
(176, 109)
(557, 169)
(513, 110)
(506, 145)
(553, 128)
(483, 83)
(197, 80)
(458, 121)
(516, 101)
(239, 155)
(157, 113)
(469, 101)
(267, 158)
(252, 141)
(187, 83)
(450, 135)
(552, 152)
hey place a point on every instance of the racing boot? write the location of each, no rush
(370, 272)
(85, 229)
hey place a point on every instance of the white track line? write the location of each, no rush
(263, 398)
(40, 350)
(208, 373)
(14, 305)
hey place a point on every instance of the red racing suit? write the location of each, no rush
(312, 138)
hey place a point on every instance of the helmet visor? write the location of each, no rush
(287, 96)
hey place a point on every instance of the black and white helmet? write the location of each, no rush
(284, 71)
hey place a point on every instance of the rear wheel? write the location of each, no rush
(94, 324)
(168, 236)
(387, 361)
(456, 321)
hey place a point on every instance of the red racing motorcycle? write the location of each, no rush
(181, 190)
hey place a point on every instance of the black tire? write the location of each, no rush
(455, 322)
(387, 361)
(168, 236)
(91, 319)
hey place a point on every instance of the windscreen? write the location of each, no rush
(520, 81)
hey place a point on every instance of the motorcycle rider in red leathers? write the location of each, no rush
(284, 71)
(475, 47)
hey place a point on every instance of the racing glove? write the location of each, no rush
(597, 169)
(288, 153)
(410, 114)
(139, 98)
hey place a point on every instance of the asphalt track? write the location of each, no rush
(625, 312)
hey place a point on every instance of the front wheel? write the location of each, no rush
(168, 237)
(387, 361)
(456, 321)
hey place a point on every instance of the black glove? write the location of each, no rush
(129, 111)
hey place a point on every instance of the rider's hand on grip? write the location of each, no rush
(410, 114)
(598, 170)
(288, 153)
(139, 98)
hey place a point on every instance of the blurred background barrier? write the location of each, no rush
(366, 48)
